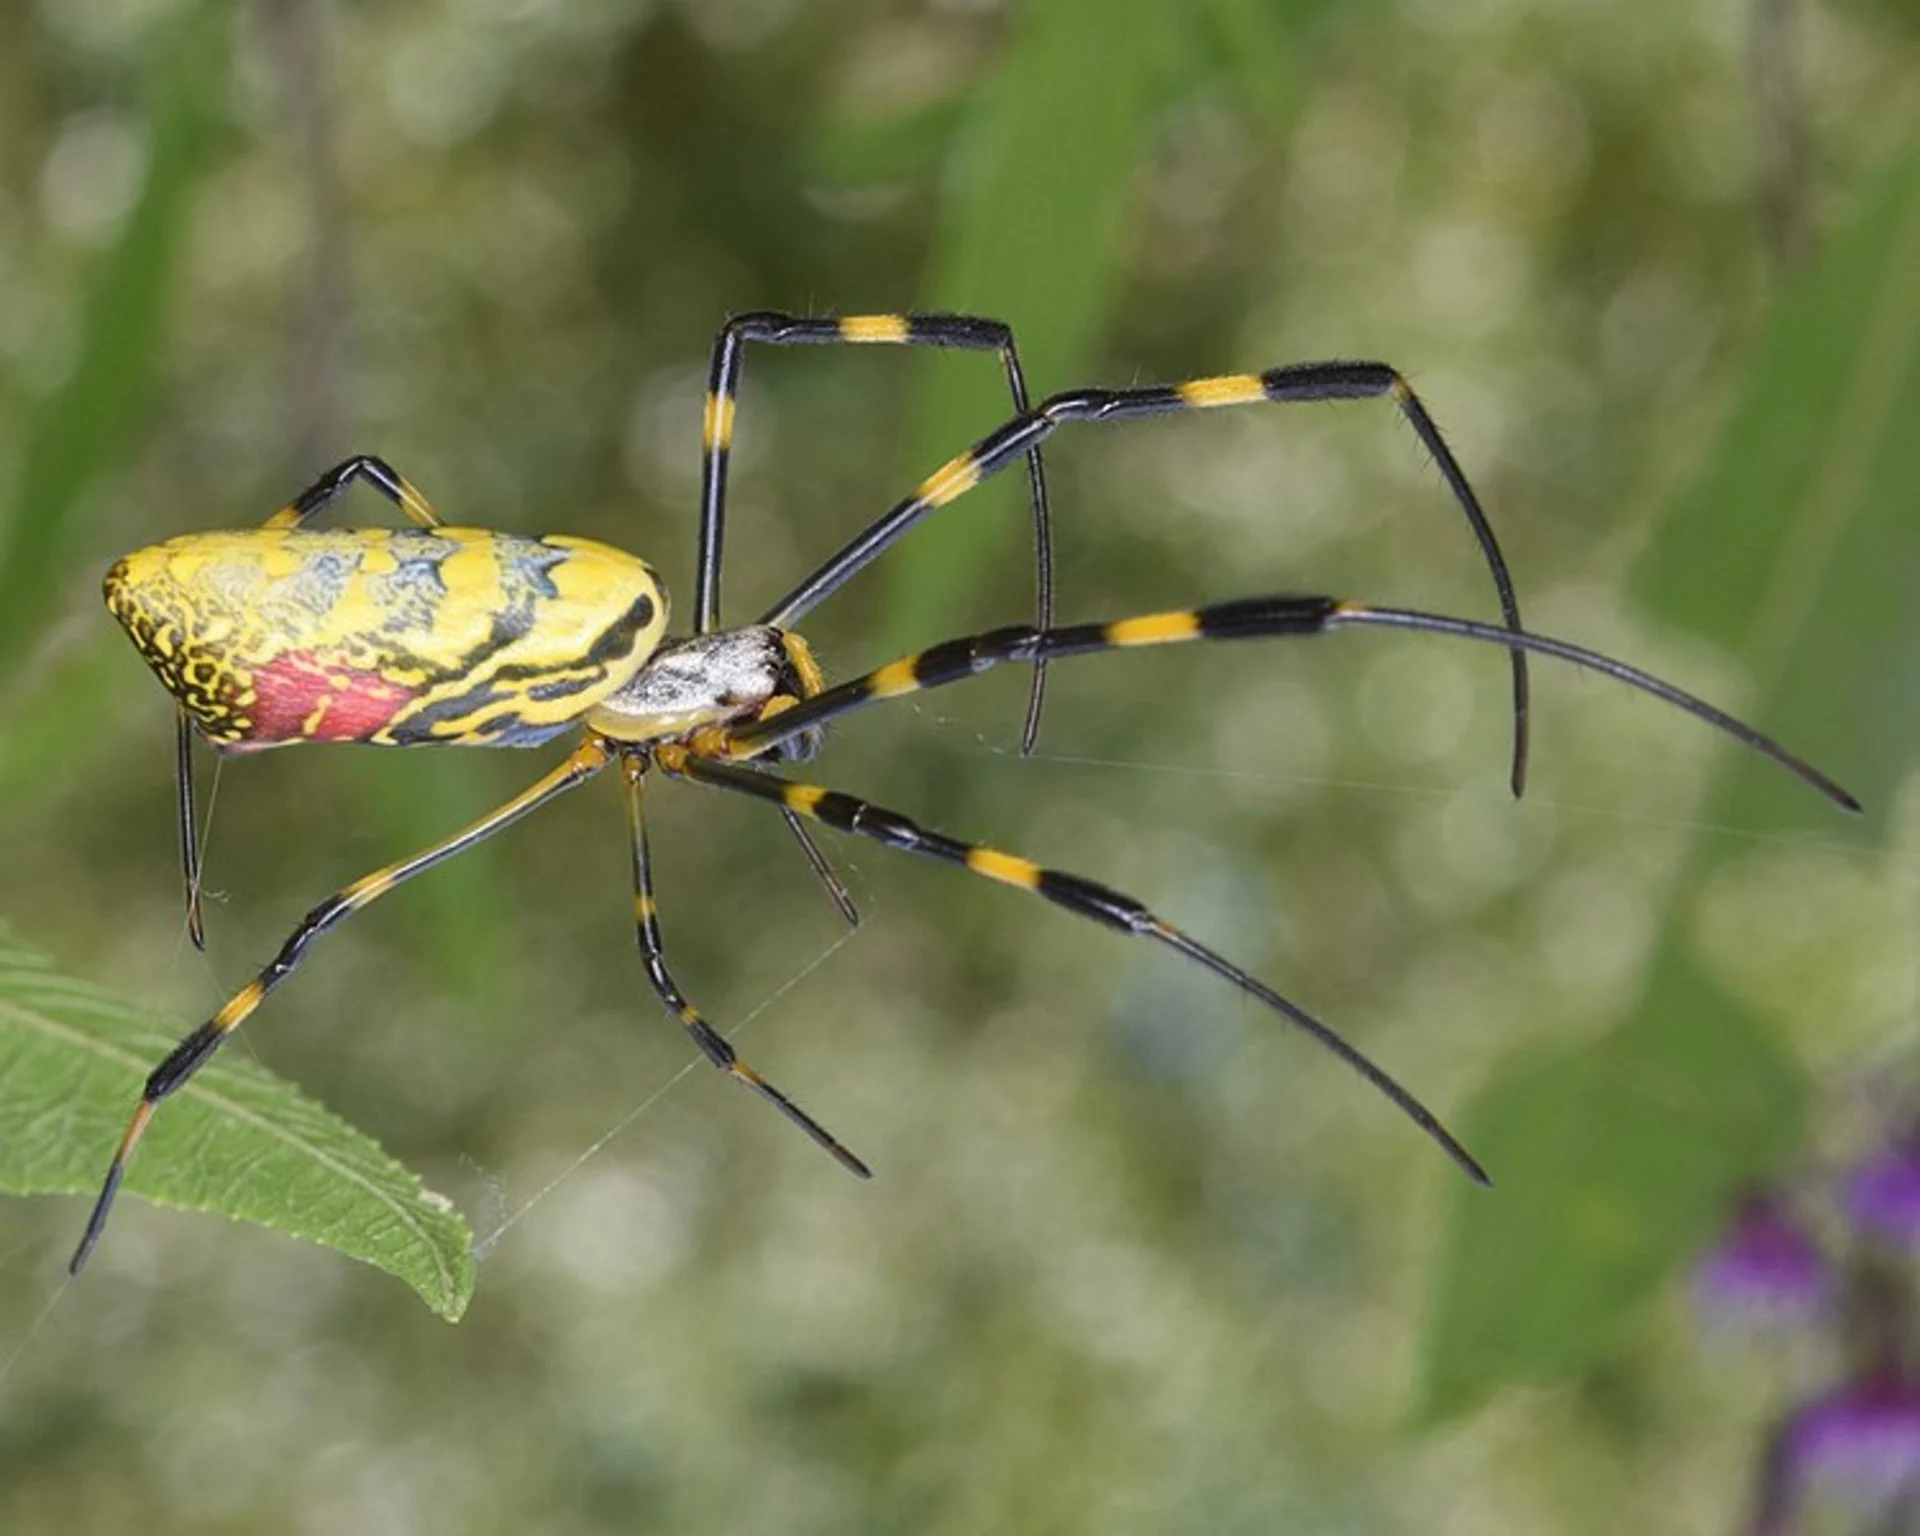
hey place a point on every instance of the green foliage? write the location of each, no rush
(1036, 220)
(1033, 223)
(1798, 547)
(236, 1140)
(1610, 1163)
(84, 427)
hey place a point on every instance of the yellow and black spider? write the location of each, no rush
(432, 634)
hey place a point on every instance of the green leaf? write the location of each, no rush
(235, 1141)
(1799, 550)
(85, 426)
(1032, 230)
(1799, 547)
(1611, 1163)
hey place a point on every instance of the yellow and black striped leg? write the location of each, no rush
(193, 1052)
(189, 831)
(968, 333)
(653, 955)
(1250, 618)
(1085, 898)
(377, 473)
(1298, 381)
(957, 332)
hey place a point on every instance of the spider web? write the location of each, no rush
(483, 1246)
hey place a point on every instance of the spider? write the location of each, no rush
(432, 634)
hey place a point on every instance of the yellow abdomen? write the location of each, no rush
(396, 637)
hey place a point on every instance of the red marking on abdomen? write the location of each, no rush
(343, 704)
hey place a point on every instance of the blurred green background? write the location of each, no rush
(1136, 1257)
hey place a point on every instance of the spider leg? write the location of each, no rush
(189, 830)
(824, 872)
(1025, 432)
(376, 472)
(1083, 897)
(969, 333)
(812, 680)
(653, 955)
(1249, 618)
(960, 332)
(195, 1049)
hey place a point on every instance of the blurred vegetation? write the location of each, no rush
(1135, 1256)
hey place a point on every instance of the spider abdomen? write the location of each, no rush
(394, 637)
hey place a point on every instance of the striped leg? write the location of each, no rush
(377, 473)
(1250, 618)
(653, 955)
(968, 333)
(1085, 898)
(958, 332)
(1297, 381)
(309, 504)
(193, 1052)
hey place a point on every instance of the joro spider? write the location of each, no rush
(433, 634)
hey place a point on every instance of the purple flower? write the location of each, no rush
(1857, 1446)
(1882, 1195)
(1765, 1268)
